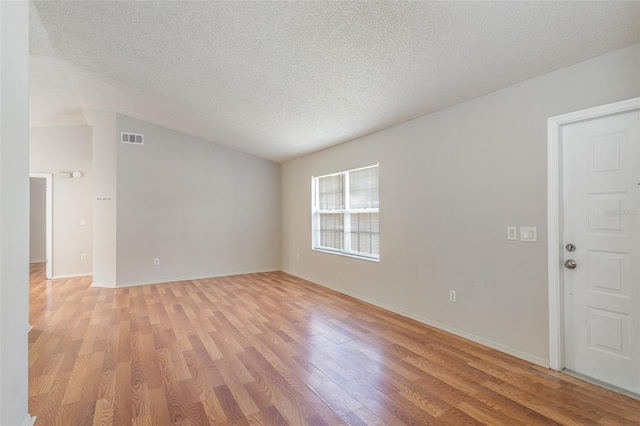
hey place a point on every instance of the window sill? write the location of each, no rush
(341, 253)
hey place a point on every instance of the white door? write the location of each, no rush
(601, 183)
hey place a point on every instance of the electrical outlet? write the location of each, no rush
(452, 296)
(512, 233)
(156, 261)
(83, 256)
(298, 256)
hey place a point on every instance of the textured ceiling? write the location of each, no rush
(283, 79)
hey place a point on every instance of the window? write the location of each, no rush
(346, 213)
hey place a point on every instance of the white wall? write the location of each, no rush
(451, 182)
(104, 211)
(204, 210)
(14, 211)
(67, 149)
(37, 220)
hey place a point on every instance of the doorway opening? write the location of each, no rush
(41, 221)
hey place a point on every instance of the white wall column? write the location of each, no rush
(14, 212)
(104, 202)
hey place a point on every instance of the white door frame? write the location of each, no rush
(554, 216)
(49, 220)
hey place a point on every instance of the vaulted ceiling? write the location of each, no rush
(284, 79)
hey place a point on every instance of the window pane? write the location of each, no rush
(364, 188)
(331, 192)
(375, 244)
(365, 231)
(332, 230)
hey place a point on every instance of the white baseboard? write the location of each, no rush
(29, 421)
(477, 339)
(170, 280)
(59, 277)
(101, 285)
(38, 261)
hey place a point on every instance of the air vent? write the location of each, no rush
(132, 138)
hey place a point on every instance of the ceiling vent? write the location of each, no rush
(132, 138)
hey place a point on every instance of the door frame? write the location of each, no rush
(49, 220)
(554, 216)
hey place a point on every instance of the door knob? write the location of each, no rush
(570, 247)
(570, 264)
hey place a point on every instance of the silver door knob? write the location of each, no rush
(570, 264)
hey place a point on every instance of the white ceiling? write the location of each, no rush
(284, 79)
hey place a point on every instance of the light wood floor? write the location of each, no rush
(272, 349)
(37, 271)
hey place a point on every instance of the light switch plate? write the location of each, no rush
(512, 233)
(529, 234)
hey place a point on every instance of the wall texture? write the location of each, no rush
(67, 149)
(202, 209)
(14, 208)
(37, 220)
(451, 182)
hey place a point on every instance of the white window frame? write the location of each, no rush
(346, 211)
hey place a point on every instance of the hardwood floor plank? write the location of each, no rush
(90, 386)
(122, 394)
(427, 402)
(272, 416)
(372, 399)
(272, 349)
(142, 421)
(501, 407)
(159, 408)
(48, 404)
(140, 401)
(238, 391)
(230, 406)
(171, 386)
(456, 417)
(362, 417)
(197, 415)
(554, 413)
(85, 413)
(486, 415)
(76, 379)
(331, 393)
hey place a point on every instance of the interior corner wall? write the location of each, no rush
(451, 182)
(67, 149)
(14, 211)
(202, 209)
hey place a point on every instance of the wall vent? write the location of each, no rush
(132, 138)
